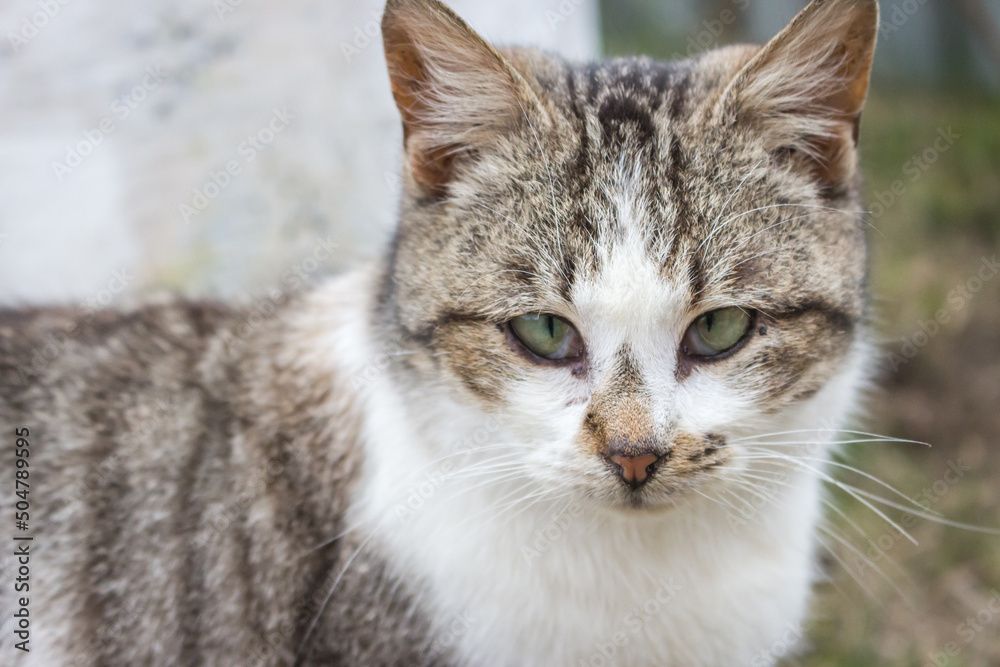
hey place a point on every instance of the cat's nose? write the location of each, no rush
(634, 470)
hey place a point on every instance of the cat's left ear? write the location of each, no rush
(804, 89)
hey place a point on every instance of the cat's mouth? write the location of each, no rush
(643, 501)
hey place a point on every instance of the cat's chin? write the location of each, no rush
(642, 507)
(642, 503)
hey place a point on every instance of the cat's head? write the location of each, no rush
(629, 263)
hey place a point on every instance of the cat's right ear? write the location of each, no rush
(456, 94)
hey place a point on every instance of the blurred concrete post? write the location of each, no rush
(210, 146)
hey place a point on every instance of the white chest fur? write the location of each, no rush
(514, 579)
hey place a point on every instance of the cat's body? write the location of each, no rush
(383, 471)
(177, 505)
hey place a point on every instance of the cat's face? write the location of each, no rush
(630, 263)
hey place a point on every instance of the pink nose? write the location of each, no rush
(635, 469)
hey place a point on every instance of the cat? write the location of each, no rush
(533, 434)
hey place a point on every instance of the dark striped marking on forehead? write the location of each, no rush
(628, 111)
(624, 96)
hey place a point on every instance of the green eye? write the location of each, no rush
(716, 332)
(547, 336)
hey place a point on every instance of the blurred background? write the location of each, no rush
(210, 147)
(118, 122)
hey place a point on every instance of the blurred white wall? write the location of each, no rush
(115, 116)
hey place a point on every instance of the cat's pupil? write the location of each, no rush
(708, 321)
(552, 326)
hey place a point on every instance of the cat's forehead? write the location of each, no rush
(635, 168)
(636, 135)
